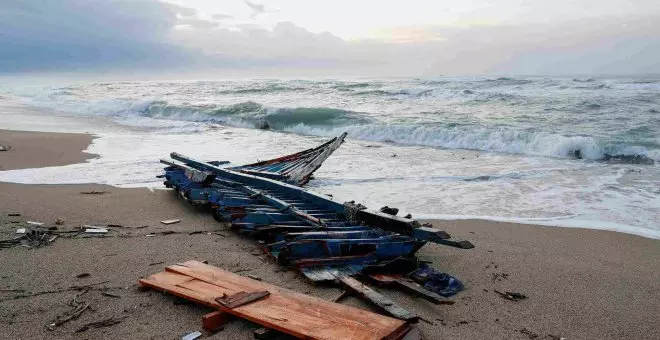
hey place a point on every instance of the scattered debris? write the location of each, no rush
(111, 295)
(144, 226)
(59, 222)
(529, 333)
(191, 336)
(78, 309)
(511, 295)
(155, 263)
(93, 192)
(195, 232)
(12, 290)
(263, 333)
(13, 215)
(168, 222)
(83, 275)
(95, 230)
(440, 283)
(492, 264)
(254, 277)
(29, 238)
(115, 226)
(35, 223)
(99, 324)
(499, 277)
(5, 147)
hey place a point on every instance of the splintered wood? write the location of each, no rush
(293, 313)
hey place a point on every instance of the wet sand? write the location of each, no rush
(581, 284)
(38, 149)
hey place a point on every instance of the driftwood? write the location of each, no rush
(79, 307)
(511, 295)
(56, 291)
(99, 324)
(93, 192)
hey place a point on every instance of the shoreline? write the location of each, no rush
(581, 283)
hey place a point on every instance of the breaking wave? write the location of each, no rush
(322, 121)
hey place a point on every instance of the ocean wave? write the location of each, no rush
(404, 92)
(250, 114)
(323, 121)
(494, 139)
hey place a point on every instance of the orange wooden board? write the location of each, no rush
(285, 310)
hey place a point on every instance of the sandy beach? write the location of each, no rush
(580, 283)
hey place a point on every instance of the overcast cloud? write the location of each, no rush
(153, 36)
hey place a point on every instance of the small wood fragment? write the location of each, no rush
(214, 322)
(511, 295)
(93, 192)
(168, 222)
(95, 230)
(13, 215)
(111, 295)
(155, 263)
(241, 298)
(254, 277)
(80, 276)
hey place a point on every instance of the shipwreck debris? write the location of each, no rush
(511, 295)
(93, 192)
(283, 310)
(324, 239)
(191, 336)
(90, 229)
(99, 324)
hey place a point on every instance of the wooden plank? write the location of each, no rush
(410, 287)
(284, 310)
(241, 298)
(214, 321)
(378, 299)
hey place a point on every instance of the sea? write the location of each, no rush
(566, 152)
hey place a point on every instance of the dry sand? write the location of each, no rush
(581, 284)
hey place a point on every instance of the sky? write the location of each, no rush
(212, 38)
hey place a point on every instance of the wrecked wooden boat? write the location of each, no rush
(325, 239)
